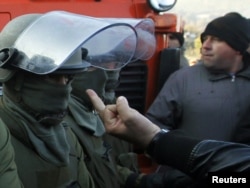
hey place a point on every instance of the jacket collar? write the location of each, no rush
(218, 75)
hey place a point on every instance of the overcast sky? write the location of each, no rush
(206, 6)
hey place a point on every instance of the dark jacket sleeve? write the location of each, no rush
(196, 158)
(8, 170)
(165, 110)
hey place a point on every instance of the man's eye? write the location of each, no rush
(204, 38)
(70, 76)
(216, 39)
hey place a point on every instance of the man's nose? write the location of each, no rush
(206, 43)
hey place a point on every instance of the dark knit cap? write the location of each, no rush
(231, 28)
(179, 37)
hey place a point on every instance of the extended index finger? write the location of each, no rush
(96, 101)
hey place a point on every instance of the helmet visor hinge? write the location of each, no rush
(7, 57)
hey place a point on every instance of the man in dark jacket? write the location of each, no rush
(208, 100)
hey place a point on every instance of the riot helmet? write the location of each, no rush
(8, 36)
(59, 41)
(12, 58)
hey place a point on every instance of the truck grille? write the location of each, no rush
(133, 83)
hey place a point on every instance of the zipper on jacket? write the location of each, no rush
(233, 78)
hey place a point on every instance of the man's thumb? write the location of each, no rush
(122, 105)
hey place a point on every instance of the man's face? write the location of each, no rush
(217, 54)
(173, 42)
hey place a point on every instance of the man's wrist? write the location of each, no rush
(151, 146)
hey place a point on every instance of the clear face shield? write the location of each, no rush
(50, 42)
(146, 42)
(111, 57)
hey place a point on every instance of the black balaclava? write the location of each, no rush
(46, 101)
(95, 79)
